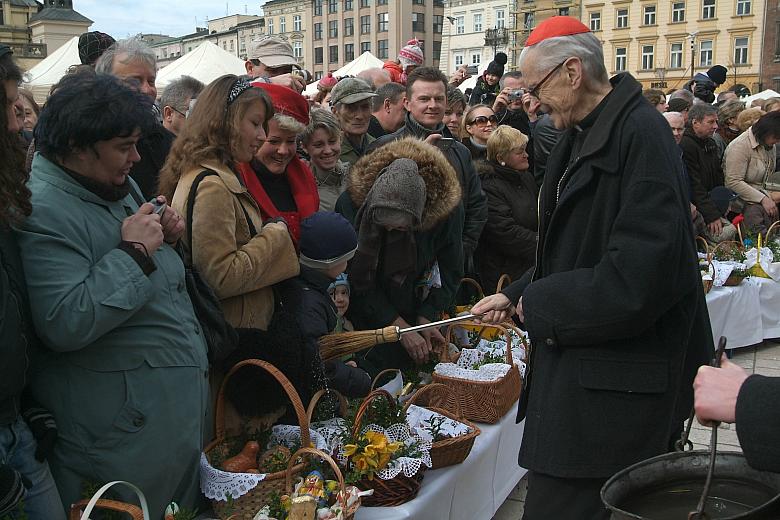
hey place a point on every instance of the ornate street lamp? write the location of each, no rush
(496, 37)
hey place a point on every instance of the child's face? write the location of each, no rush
(340, 297)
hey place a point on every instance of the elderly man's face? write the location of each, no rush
(706, 127)
(677, 124)
(514, 84)
(138, 73)
(354, 118)
(556, 95)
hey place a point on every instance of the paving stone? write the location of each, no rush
(510, 510)
(520, 490)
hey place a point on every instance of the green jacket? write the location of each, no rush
(349, 154)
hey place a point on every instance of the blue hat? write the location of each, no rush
(326, 239)
(341, 280)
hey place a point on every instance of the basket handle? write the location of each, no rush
(475, 284)
(137, 513)
(327, 458)
(504, 280)
(432, 391)
(380, 374)
(501, 328)
(288, 388)
(729, 243)
(315, 399)
(707, 251)
(364, 408)
(769, 231)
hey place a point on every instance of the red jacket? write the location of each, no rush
(304, 191)
(396, 72)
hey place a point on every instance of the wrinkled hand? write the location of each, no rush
(144, 227)
(495, 309)
(694, 211)
(715, 392)
(416, 347)
(459, 76)
(770, 207)
(172, 223)
(434, 340)
(292, 81)
(502, 100)
(519, 310)
(531, 105)
(433, 139)
(715, 227)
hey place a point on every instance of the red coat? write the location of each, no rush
(304, 191)
(396, 72)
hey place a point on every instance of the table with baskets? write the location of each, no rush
(747, 313)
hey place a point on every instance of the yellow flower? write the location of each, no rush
(350, 449)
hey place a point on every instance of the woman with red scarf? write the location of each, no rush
(278, 180)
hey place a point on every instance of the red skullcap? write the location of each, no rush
(286, 101)
(556, 26)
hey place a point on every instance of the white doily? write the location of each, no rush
(407, 465)
(419, 420)
(219, 485)
(332, 431)
(766, 258)
(290, 437)
(470, 357)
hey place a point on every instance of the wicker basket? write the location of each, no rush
(486, 401)
(82, 509)
(245, 507)
(397, 490)
(315, 399)
(488, 332)
(453, 450)
(727, 247)
(348, 514)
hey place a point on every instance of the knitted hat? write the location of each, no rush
(411, 54)
(556, 26)
(399, 187)
(92, 45)
(678, 105)
(717, 74)
(496, 67)
(340, 281)
(327, 238)
(327, 82)
(286, 101)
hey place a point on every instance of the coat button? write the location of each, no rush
(550, 342)
(138, 422)
(197, 329)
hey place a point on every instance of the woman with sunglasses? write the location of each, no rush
(479, 122)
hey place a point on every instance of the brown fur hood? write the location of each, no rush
(443, 191)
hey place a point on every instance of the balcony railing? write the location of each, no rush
(29, 50)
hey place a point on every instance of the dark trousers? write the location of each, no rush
(564, 498)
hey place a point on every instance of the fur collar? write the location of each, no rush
(441, 181)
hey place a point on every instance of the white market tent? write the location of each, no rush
(766, 94)
(41, 77)
(206, 63)
(363, 62)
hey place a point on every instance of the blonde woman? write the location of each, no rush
(479, 121)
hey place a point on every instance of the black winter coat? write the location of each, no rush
(484, 93)
(153, 149)
(544, 138)
(508, 242)
(614, 307)
(705, 172)
(758, 422)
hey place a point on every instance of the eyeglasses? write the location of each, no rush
(483, 120)
(535, 90)
(182, 114)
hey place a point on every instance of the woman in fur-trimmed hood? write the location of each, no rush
(403, 200)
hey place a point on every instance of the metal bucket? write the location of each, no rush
(668, 487)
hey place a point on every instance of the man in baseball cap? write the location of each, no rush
(272, 60)
(350, 101)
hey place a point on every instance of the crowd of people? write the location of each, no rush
(359, 208)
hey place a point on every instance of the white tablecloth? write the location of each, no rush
(472, 490)
(746, 314)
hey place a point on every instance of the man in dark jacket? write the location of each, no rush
(614, 307)
(426, 100)
(700, 153)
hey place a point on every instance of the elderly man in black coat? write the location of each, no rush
(614, 307)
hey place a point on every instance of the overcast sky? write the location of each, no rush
(123, 18)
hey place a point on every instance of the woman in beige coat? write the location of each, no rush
(747, 163)
(238, 255)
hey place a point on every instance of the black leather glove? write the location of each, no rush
(13, 487)
(42, 426)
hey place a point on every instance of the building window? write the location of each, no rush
(383, 22)
(705, 53)
(382, 47)
(476, 57)
(741, 50)
(678, 12)
(500, 19)
(317, 31)
(282, 25)
(347, 5)
(297, 22)
(298, 49)
(418, 2)
(318, 8)
(349, 26)
(777, 42)
(333, 7)
(365, 3)
(707, 9)
(438, 24)
(436, 51)
(621, 19)
(365, 47)
(381, 2)
(270, 26)
(458, 60)
(648, 54)
(460, 24)
(621, 57)
(418, 22)
(563, 11)
(528, 21)
(333, 28)
(595, 21)
(365, 24)
(477, 22)
(743, 7)
(333, 54)
(318, 55)
(649, 18)
(349, 51)
(318, 75)
(232, 46)
(676, 56)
